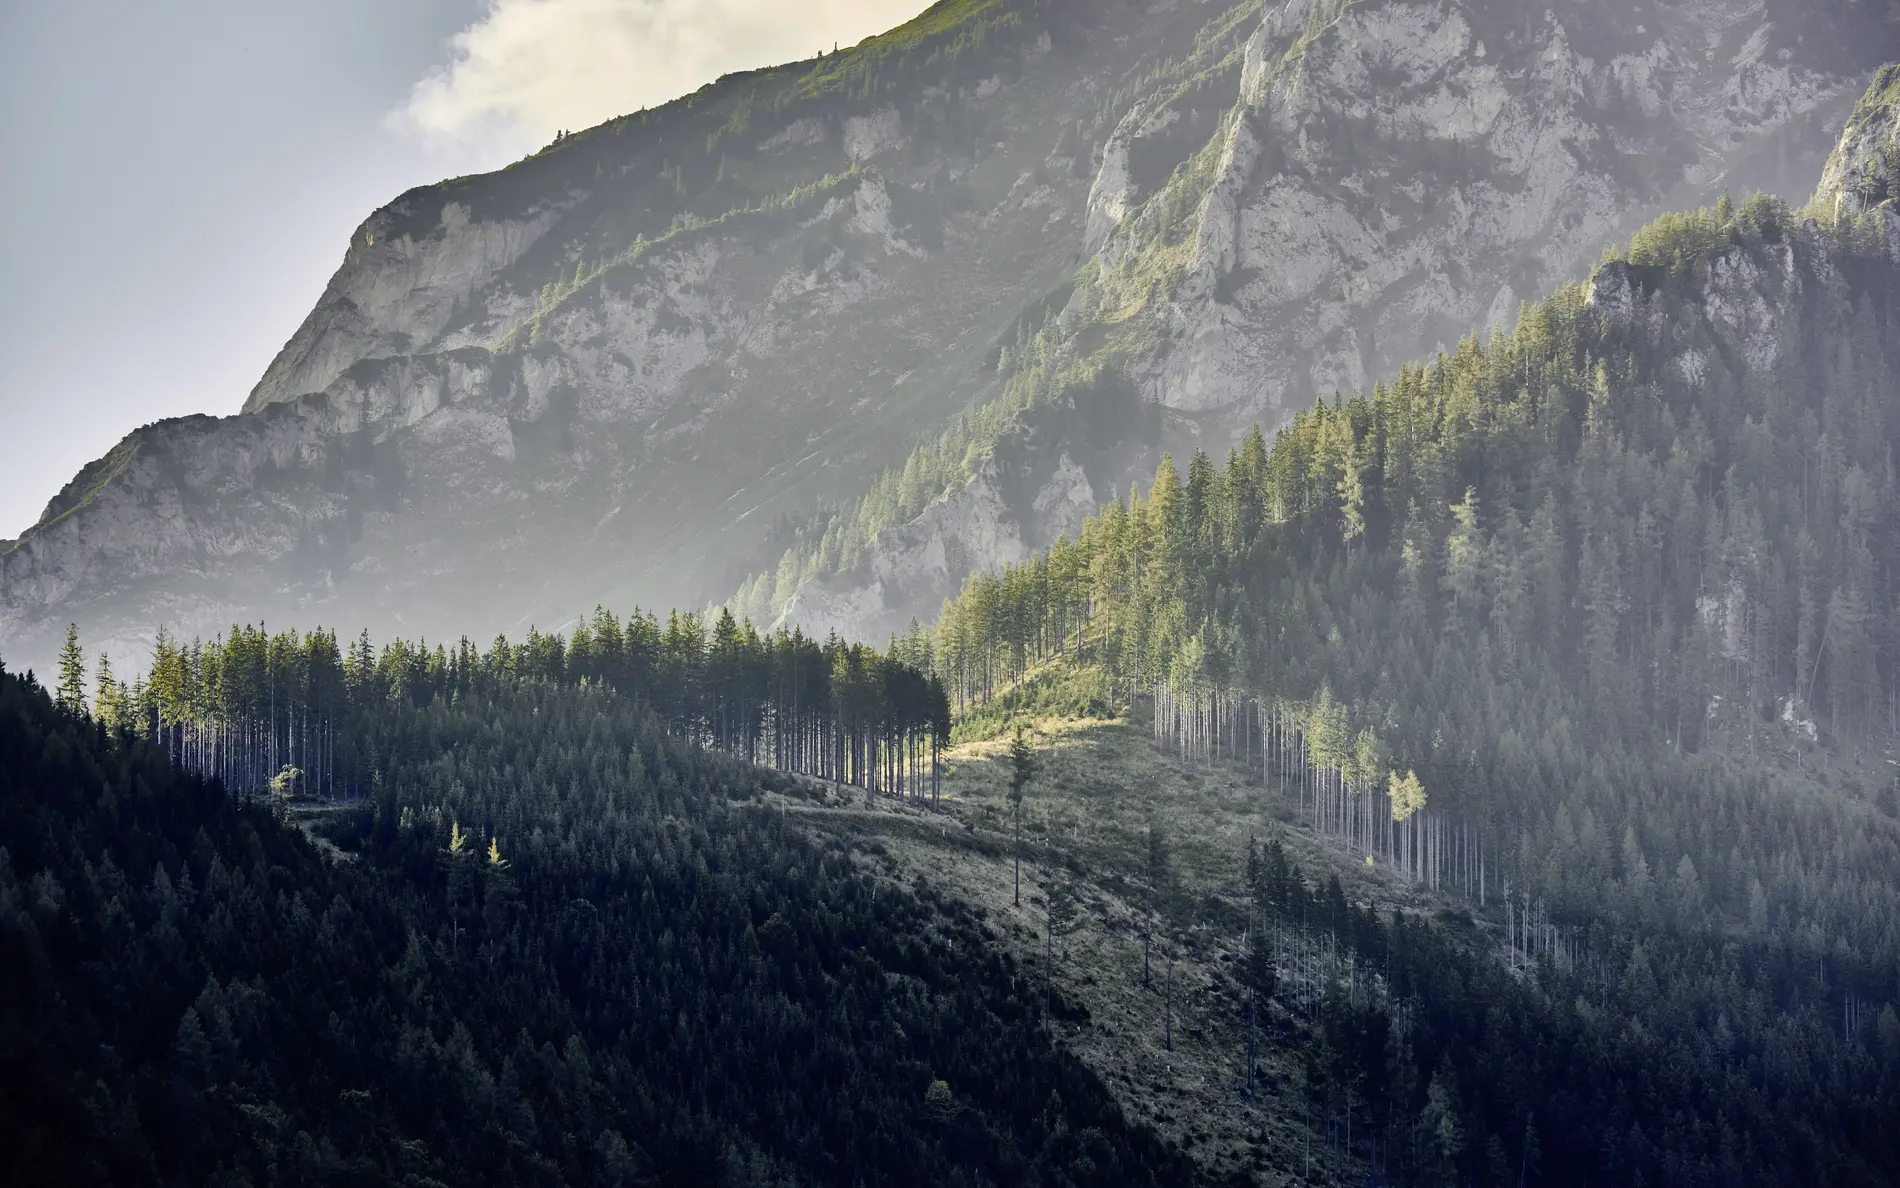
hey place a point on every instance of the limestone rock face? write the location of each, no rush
(1419, 169)
(1863, 173)
(1041, 480)
(613, 371)
(399, 286)
(639, 364)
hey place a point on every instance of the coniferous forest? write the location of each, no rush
(1590, 628)
(565, 947)
(260, 710)
(1575, 647)
(1568, 609)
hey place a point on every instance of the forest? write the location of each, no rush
(1598, 607)
(564, 946)
(1588, 628)
(713, 995)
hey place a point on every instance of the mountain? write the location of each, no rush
(1627, 555)
(1863, 172)
(676, 350)
(1490, 782)
(1686, 453)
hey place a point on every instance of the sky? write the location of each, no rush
(178, 180)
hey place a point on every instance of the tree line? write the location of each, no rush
(261, 711)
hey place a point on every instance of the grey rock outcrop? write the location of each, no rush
(1863, 172)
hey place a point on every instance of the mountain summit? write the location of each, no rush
(1045, 238)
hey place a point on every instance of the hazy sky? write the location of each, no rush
(178, 179)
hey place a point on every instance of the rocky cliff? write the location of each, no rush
(1863, 172)
(608, 371)
(640, 363)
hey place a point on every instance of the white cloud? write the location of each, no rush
(528, 68)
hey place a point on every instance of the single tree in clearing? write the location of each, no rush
(1022, 767)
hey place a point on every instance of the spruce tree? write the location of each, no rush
(108, 697)
(71, 690)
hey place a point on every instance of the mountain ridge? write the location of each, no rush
(653, 388)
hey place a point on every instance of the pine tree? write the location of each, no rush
(1352, 497)
(1465, 578)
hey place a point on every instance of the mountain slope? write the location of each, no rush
(1863, 173)
(645, 980)
(1565, 666)
(1583, 640)
(1627, 557)
(636, 365)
